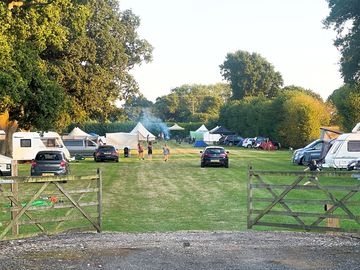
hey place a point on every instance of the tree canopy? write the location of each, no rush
(249, 74)
(344, 18)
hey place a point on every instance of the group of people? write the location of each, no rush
(166, 151)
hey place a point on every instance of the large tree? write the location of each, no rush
(347, 102)
(250, 74)
(344, 18)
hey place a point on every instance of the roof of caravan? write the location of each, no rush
(49, 134)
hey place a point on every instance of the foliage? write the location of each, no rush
(134, 107)
(344, 18)
(187, 103)
(346, 100)
(304, 117)
(250, 75)
(293, 118)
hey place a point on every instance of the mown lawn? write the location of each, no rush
(153, 195)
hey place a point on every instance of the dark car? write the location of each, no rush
(48, 163)
(310, 152)
(232, 140)
(106, 152)
(354, 165)
(214, 155)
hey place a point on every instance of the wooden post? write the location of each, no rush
(99, 186)
(331, 222)
(14, 190)
(249, 198)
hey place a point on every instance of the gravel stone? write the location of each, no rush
(183, 250)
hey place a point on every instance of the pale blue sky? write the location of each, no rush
(192, 37)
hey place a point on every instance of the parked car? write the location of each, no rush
(5, 166)
(214, 155)
(248, 142)
(354, 165)
(106, 152)
(231, 140)
(268, 145)
(49, 162)
(312, 152)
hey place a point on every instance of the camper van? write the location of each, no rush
(27, 144)
(5, 166)
(345, 149)
(83, 147)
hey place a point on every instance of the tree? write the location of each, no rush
(134, 107)
(346, 100)
(250, 75)
(344, 18)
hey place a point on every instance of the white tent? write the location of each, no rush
(176, 127)
(202, 129)
(121, 140)
(211, 138)
(143, 133)
(77, 132)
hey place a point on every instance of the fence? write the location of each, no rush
(33, 205)
(320, 201)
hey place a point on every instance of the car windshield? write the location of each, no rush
(312, 144)
(48, 156)
(215, 151)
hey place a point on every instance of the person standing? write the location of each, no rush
(150, 150)
(166, 152)
(140, 151)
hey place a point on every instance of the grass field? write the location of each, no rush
(153, 195)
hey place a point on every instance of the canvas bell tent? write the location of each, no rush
(121, 140)
(142, 133)
(198, 134)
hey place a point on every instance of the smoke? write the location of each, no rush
(154, 124)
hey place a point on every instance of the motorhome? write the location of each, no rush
(27, 144)
(5, 166)
(345, 149)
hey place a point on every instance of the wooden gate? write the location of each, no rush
(33, 205)
(321, 201)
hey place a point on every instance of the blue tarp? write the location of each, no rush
(200, 143)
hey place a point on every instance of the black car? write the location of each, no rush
(106, 152)
(49, 163)
(233, 140)
(214, 155)
(354, 165)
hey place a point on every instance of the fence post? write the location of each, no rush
(14, 190)
(249, 197)
(99, 186)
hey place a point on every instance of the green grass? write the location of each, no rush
(153, 195)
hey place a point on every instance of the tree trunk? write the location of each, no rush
(10, 128)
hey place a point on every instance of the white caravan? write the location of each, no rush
(27, 144)
(345, 149)
(5, 166)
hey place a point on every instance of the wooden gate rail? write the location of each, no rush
(282, 196)
(78, 200)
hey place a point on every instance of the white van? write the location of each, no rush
(345, 149)
(5, 166)
(27, 144)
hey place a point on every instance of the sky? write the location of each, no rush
(191, 39)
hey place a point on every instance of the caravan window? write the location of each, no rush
(353, 146)
(25, 142)
(48, 142)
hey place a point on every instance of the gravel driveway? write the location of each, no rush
(183, 250)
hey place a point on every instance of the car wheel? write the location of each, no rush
(248, 146)
(231, 144)
(301, 161)
(117, 160)
(202, 164)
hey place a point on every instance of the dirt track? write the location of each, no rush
(183, 250)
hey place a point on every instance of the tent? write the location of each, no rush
(142, 133)
(77, 132)
(221, 130)
(198, 135)
(176, 127)
(121, 140)
(211, 138)
(202, 129)
(200, 143)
